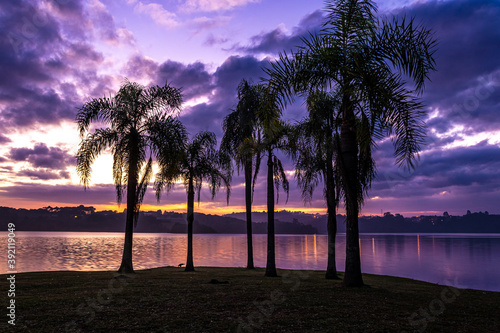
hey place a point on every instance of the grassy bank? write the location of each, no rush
(228, 299)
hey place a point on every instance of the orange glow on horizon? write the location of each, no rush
(208, 208)
(211, 207)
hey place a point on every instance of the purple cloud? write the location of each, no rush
(68, 194)
(43, 174)
(41, 156)
(466, 87)
(465, 90)
(47, 58)
(223, 94)
(277, 40)
(40, 48)
(4, 139)
(192, 78)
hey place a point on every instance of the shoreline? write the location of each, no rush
(243, 268)
(494, 234)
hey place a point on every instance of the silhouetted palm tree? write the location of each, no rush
(371, 65)
(199, 162)
(316, 146)
(274, 136)
(140, 127)
(241, 135)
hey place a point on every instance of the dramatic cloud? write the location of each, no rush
(4, 139)
(466, 87)
(471, 170)
(463, 99)
(209, 96)
(222, 94)
(41, 156)
(45, 59)
(62, 194)
(54, 55)
(43, 174)
(278, 40)
(43, 163)
(194, 79)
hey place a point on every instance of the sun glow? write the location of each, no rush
(195, 101)
(492, 137)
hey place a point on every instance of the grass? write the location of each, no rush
(235, 299)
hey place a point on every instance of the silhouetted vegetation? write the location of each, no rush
(241, 135)
(274, 137)
(199, 161)
(316, 146)
(140, 127)
(365, 62)
(87, 219)
(362, 75)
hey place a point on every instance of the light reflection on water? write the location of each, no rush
(467, 261)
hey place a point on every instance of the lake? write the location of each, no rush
(461, 260)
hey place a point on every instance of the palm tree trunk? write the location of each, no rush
(190, 219)
(248, 203)
(271, 260)
(126, 265)
(331, 269)
(349, 156)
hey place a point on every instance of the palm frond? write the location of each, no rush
(241, 132)
(119, 152)
(91, 147)
(138, 124)
(142, 186)
(280, 179)
(98, 109)
(162, 100)
(168, 137)
(258, 160)
(409, 47)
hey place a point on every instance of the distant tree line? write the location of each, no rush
(87, 219)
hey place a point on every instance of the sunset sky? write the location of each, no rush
(55, 55)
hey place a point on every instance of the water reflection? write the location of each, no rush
(464, 260)
(389, 245)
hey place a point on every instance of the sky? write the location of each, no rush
(55, 55)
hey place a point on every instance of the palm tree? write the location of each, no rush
(315, 153)
(140, 127)
(239, 141)
(372, 64)
(274, 136)
(199, 162)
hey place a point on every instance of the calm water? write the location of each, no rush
(462, 260)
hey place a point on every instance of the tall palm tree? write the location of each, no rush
(140, 127)
(241, 134)
(275, 134)
(378, 69)
(315, 153)
(199, 162)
